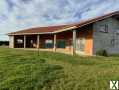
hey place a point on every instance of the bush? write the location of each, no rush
(101, 53)
(4, 43)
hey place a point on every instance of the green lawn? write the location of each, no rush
(25, 70)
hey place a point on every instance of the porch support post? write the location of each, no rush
(38, 41)
(24, 41)
(11, 42)
(74, 42)
(55, 37)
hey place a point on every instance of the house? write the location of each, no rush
(85, 37)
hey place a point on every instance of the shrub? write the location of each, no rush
(102, 52)
(4, 43)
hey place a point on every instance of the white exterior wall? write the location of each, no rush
(11, 41)
(103, 40)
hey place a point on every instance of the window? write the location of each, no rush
(19, 41)
(48, 43)
(104, 28)
(80, 44)
(117, 31)
(61, 44)
(112, 42)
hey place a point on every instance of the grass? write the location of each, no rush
(25, 70)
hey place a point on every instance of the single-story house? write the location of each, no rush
(85, 37)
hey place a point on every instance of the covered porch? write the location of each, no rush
(70, 42)
(59, 42)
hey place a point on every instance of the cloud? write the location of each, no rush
(20, 14)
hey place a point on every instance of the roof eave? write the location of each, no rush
(29, 33)
(58, 31)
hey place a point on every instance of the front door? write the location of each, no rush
(80, 45)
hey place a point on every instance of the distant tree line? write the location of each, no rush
(4, 43)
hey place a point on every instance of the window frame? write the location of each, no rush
(104, 28)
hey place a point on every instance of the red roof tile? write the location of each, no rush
(39, 30)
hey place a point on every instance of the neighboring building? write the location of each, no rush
(85, 37)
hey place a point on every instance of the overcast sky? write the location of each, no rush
(20, 14)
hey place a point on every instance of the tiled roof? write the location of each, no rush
(40, 30)
(60, 28)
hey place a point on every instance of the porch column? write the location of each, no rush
(55, 37)
(74, 42)
(38, 41)
(11, 42)
(24, 41)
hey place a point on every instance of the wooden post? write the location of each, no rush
(55, 37)
(38, 41)
(24, 41)
(74, 42)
